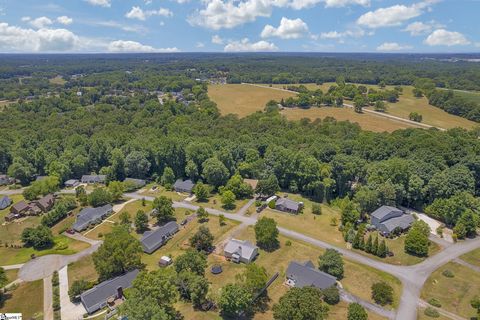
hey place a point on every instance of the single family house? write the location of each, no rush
(89, 216)
(138, 183)
(92, 179)
(5, 202)
(72, 183)
(388, 219)
(240, 251)
(287, 205)
(152, 240)
(107, 292)
(305, 274)
(46, 203)
(184, 186)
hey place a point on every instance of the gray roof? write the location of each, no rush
(71, 182)
(93, 178)
(89, 215)
(403, 222)
(305, 274)
(243, 248)
(184, 185)
(152, 240)
(5, 202)
(138, 182)
(384, 211)
(96, 298)
(289, 204)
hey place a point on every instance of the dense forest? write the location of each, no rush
(130, 132)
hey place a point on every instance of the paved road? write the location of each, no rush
(47, 298)
(11, 192)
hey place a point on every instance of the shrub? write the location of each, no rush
(271, 204)
(316, 209)
(431, 312)
(382, 293)
(434, 302)
(288, 243)
(448, 273)
(331, 295)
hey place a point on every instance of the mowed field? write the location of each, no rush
(243, 99)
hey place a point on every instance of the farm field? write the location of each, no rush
(27, 299)
(453, 293)
(243, 99)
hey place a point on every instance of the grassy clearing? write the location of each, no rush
(472, 96)
(82, 269)
(319, 227)
(63, 245)
(12, 275)
(27, 299)
(473, 257)
(453, 293)
(57, 80)
(161, 191)
(243, 99)
(215, 202)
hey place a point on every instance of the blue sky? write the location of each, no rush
(239, 25)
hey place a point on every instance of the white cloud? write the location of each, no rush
(354, 33)
(140, 14)
(100, 3)
(64, 20)
(419, 28)
(394, 15)
(118, 25)
(392, 46)
(442, 37)
(288, 29)
(219, 14)
(17, 39)
(200, 45)
(40, 22)
(246, 46)
(216, 39)
(26, 19)
(120, 46)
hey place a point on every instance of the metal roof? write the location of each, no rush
(243, 248)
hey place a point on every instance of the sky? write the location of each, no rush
(73, 26)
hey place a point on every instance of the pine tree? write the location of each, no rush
(382, 250)
(368, 245)
(374, 248)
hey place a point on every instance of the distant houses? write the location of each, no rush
(305, 274)
(92, 179)
(5, 202)
(240, 251)
(287, 205)
(91, 216)
(72, 183)
(152, 240)
(388, 220)
(137, 183)
(34, 208)
(6, 180)
(184, 186)
(108, 293)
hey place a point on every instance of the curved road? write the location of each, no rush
(412, 277)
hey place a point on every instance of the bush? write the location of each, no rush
(431, 312)
(434, 302)
(77, 288)
(448, 273)
(288, 243)
(382, 293)
(271, 204)
(331, 295)
(316, 209)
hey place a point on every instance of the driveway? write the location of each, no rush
(47, 298)
(69, 310)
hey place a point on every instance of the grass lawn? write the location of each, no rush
(57, 80)
(12, 275)
(15, 198)
(82, 269)
(215, 202)
(10, 255)
(318, 226)
(453, 293)
(473, 257)
(340, 312)
(421, 315)
(27, 299)
(243, 99)
(471, 95)
(161, 191)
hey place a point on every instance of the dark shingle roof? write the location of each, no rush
(89, 215)
(403, 222)
(152, 240)
(93, 178)
(20, 206)
(306, 275)
(384, 211)
(184, 185)
(96, 298)
(5, 202)
(289, 204)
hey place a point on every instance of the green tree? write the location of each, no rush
(475, 303)
(331, 295)
(124, 218)
(301, 304)
(416, 241)
(168, 178)
(141, 221)
(316, 209)
(222, 220)
(99, 197)
(192, 287)
(349, 213)
(202, 214)
(254, 278)
(382, 249)
(117, 165)
(137, 165)
(164, 211)
(151, 296)
(116, 189)
(266, 234)
(267, 187)
(40, 237)
(331, 262)
(120, 252)
(228, 199)
(382, 293)
(3, 279)
(215, 172)
(77, 288)
(201, 192)
(202, 240)
(21, 170)
(192, 261)
(240, 189)
(359, 102)
(234, 300)
(356, 312)
(380, 106)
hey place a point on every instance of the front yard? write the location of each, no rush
(27, 299)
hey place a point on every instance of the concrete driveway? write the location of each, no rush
(69, 310)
